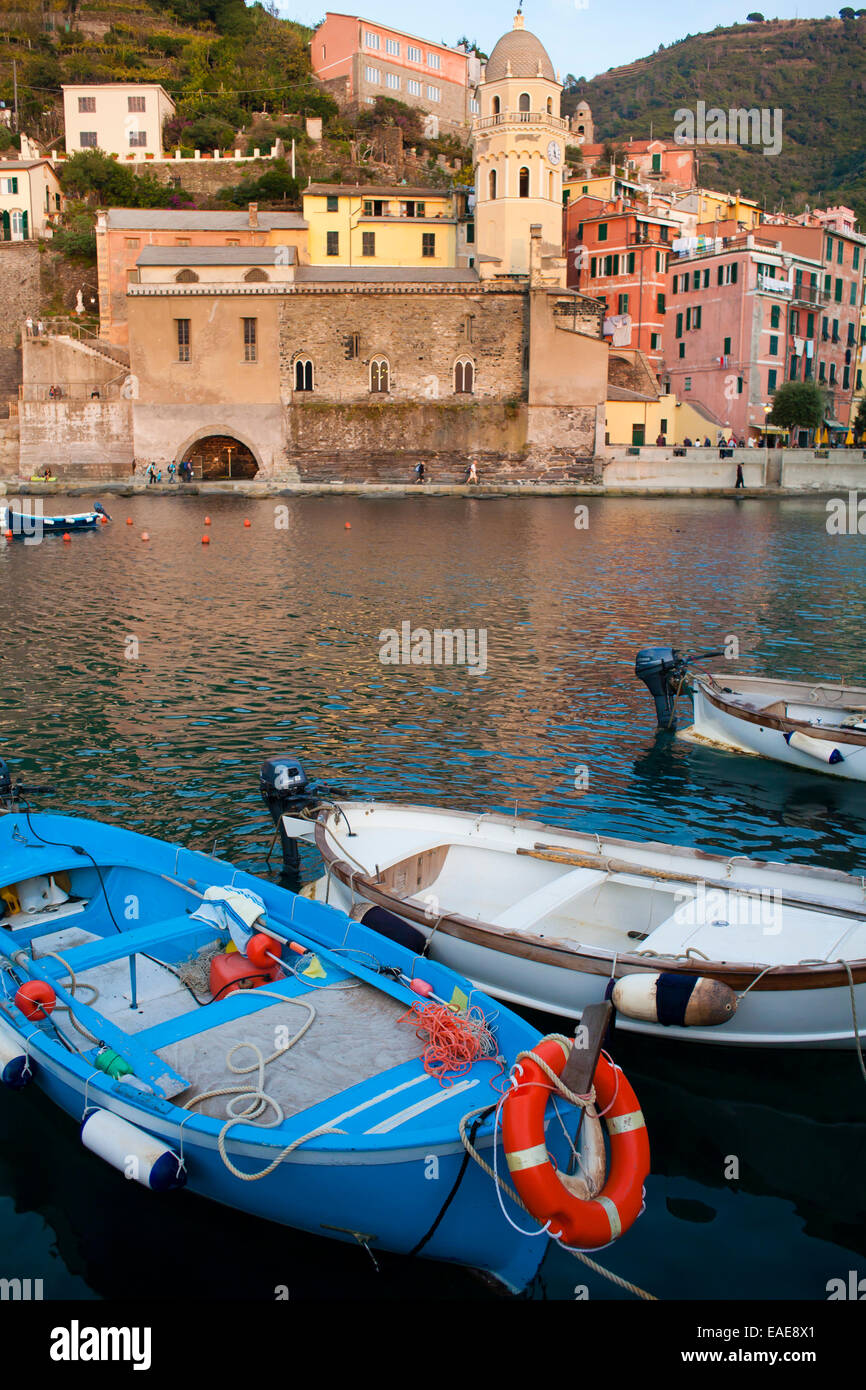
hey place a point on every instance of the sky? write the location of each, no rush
(584, 37)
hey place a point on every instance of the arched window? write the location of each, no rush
(303, 374)
(523, 182)
(580, 130)
(550, 187)
(493, 183)
(256, 275)
(185, 277)
(523, 102)
(496, 106)
(550, 106)
(379, 374)
(464, 376)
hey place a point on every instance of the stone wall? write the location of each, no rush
(205, 177)
(9, 447)
(421, 333)
(20, 295)
(77, 438)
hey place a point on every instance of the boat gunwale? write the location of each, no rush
(589, 960)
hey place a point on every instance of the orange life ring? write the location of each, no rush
(585, 1224)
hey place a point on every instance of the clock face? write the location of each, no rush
(554, 152)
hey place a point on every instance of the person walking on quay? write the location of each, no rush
(741, 482)
(28, 326)
(419, 472)
(660, 441)
(472, 475)
(172, 469)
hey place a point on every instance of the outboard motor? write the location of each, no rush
(286, 791)
(663, 671)
(654, 666)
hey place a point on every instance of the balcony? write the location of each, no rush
(521, 118)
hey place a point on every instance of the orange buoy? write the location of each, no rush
(129, 521)
(67, 537)
(9, 535)
(348, 525)
(587, 1225)
(207, 521)
(247, 521)
(260, 948)
(103, 521)
(31, 998)
(145, 536)
(205, 540)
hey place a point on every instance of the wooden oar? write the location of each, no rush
(574, 858)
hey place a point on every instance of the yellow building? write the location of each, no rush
(351, 225)
(632, 419)
(727, 207)
(30, 197)
(608, 187)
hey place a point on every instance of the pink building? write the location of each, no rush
(747, 313)
(660, 162)
(359, 60)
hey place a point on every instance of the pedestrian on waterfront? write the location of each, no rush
(741, 482)
(28, 326)
(172, 469)
(419, 472)
(707, 444)
(40, 328)
(661, 441)
(687, 443)
(750, 442)
(472, 475)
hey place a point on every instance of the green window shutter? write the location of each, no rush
(24, 225)
(631, 262)
(6, 226)
(679, 332)
(734, 269)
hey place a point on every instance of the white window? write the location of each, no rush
(137, 138)
(392, 80)
(433, 60)
(413, 54)
(86, 104)
(16, 223)
(135, 104)
(414, 87)
(371, 39)
(474, 105)
(8, 185)
(87, 139)
(371, 74)
(433, 93)
(392, 46)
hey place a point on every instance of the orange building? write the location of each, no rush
(123, 233)
(618, 252)
(651, 161)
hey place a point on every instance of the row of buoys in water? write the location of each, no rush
(145, 535)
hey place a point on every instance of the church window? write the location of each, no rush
(523, 102)
(550, 106)
(185, 277)
(493, 183)
(303, 374)
(464, 376)
(496, 106)
(255, 276)
(379, 375)
(523, 183)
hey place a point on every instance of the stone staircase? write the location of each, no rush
(350, 468)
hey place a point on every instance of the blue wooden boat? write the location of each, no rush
(26, 525)
(302, 1098)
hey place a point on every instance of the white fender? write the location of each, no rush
(14, 1066)
(132, 1151)
(820, 748)
(667, 999)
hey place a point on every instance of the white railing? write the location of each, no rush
(521, 118)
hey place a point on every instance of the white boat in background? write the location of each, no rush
(697, 946)
(818, 726)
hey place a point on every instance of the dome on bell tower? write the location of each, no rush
(519, 54)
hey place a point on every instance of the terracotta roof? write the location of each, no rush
(322, 190)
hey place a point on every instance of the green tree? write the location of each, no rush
(798, 405)
(860, 418)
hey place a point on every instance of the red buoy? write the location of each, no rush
(260, 948)
(66, 536)
(9, 535)
(31, 997)
(348, 525)
(207, 521)
(247, 521)
(129, 521)
(205, 540)
(145, 536)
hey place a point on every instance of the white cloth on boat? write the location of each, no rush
(235, 910)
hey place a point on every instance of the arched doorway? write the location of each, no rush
(220, 456)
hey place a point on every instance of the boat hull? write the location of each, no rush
(725, 728)
(541, 973)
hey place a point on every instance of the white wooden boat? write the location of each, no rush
(698, 946)
(819, 726)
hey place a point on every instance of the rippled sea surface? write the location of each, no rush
(148, 680)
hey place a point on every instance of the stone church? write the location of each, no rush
(249, 362)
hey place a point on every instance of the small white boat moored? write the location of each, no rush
(819, 726)
(687, 944)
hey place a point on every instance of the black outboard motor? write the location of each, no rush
(654, 666)
(286, 791)
(663, 671)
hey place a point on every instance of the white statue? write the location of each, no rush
(79, 303)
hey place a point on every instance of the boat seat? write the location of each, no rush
(145, 939)
(544, 900)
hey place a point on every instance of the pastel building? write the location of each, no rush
(380, 226)
(618, 252)
(123, 233)
(359, 60)
(660, 162)
(30, 197)
(743, 316)
(122, 118)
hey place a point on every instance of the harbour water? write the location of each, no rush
(147, 680)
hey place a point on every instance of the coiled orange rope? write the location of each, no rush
(454, 1041)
